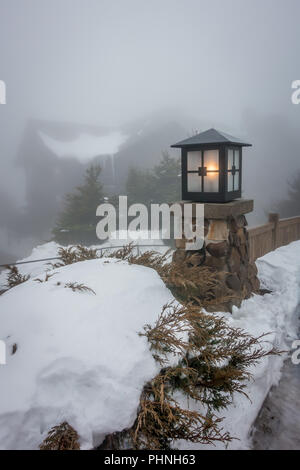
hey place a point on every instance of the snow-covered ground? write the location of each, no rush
(79, 357)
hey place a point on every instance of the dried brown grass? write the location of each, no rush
(14, 278)
(73, 254)
(213, 364)
(77, 287)
(62, 437)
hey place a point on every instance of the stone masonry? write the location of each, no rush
(226, 251)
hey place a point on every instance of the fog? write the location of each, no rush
(162, 68)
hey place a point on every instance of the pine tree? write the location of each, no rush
(167, 179)
(79, 213)
(140, 186)
(159, 185)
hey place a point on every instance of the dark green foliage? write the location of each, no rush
(81, 205)
(167, 179)
(77, 221)
(159, 185)
(140, 186)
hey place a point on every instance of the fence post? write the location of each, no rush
(274, 219)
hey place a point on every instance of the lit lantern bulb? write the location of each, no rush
(212, 168)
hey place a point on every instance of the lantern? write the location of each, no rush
(211, 165)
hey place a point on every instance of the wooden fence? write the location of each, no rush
(272, 235)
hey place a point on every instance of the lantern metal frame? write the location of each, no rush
(223, 194)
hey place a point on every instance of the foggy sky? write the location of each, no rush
(225, 63)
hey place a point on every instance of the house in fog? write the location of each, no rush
(54, 155)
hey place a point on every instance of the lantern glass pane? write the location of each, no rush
(237, 181)
(211, 160)
(230, 182)
(211, 182)
(237, 159)
(194, 183)
(230, 159)
(193, 161)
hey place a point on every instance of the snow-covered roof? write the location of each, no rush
(85, 146)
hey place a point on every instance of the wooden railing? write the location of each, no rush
(272, 235)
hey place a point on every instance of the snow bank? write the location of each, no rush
(79, 357)
(278, 271)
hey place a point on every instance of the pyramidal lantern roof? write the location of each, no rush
(211, 136)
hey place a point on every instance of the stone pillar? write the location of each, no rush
(226, 250)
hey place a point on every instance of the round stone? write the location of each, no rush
(218, 249)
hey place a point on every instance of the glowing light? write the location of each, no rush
(212, 168)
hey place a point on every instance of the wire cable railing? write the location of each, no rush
(137, 247)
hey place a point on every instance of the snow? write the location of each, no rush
(80, 359)
(86, 146)
(47, 250)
